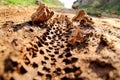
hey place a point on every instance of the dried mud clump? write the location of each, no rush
(84, 20)
(81, 15)
(42, 14)
(76, 36)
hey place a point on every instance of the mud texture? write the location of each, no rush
(59, 48)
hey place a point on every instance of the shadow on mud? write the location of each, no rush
(21, 25)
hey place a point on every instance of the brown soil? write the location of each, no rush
(99, 56)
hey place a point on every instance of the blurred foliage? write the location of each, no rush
(53, 3)
(109, 6)
(94, 13)
(17, 2)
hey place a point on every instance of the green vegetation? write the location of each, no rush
(97, 7)
(17, 2)
(53, 3)
(111, 6)
(115, 8)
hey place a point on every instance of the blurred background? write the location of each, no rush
(93, 7)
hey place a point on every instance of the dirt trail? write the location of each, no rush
(99, 60)
(20, 14)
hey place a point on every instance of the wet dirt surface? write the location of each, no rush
(96, 58)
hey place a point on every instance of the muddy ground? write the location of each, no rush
(101, 62)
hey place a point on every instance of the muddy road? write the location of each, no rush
(96, 58)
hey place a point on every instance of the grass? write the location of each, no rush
(53, 3)
(17, 2)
